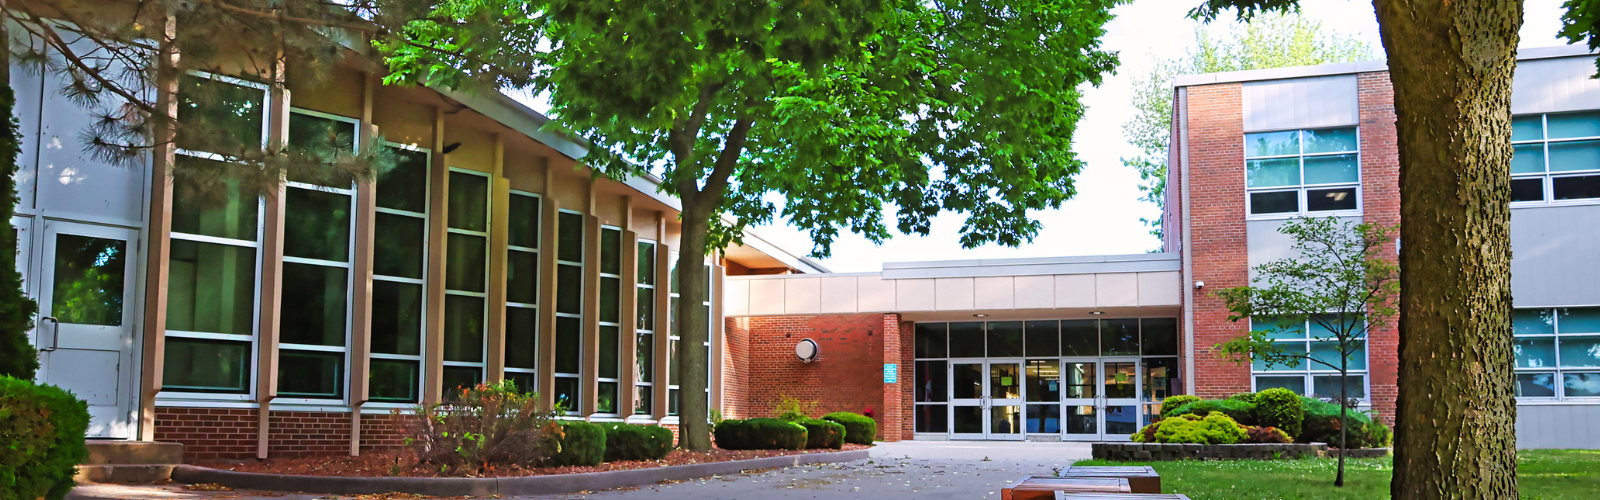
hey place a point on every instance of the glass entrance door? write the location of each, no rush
(1101, 398)
(986, 399)
(968, 394)
(1080, 392)
(1120, 405)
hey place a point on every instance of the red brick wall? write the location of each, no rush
(736, 368)
(908, 386)
(230, 433)
(209, 433)
(846, 376)
(895, 413)
(1217, 230)
(1380, 197)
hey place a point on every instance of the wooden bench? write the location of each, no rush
(1143, 479)
(1045, 488)
(1066, 495)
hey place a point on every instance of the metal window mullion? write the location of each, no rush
(231, 337)
(398, 279)
(403, 213)
(200, 238)
(310, 347)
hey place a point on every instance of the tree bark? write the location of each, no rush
(694, 433)
(1451, 63)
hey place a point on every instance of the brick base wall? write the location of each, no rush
(736, 368)
(209, 433)
(231, 433)
(846, 376)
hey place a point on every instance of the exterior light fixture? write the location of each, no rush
(1097, 313)
(980, 315)
(807, 350)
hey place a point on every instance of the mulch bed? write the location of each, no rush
(402, 463)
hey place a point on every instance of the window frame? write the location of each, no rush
(482, 366)
(1558, 371)
(1301, 188)
(1547, 177)
(1306, 370)
(534, 306)
(582, 268)
(601, 323)
(422, 345)
(645, 335)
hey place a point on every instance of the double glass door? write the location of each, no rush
(1100, 398)
(986, 399)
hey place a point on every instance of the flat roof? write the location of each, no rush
(1035, 266)
(1525, 54)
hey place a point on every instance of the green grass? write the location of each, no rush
(1541, 474)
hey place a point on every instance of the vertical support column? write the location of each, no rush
(361, 274)
(499, 236)
(718, 329)
(438, 214)
(546, 338)
(628, 334)
(158, 251)
(665, 317)
(271, 271)
(893, 396)
(589, 373)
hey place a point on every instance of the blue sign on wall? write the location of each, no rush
(891, 373)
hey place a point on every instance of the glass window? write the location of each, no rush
(466, 263)
(396, 317)
(89, 277)
(399, 247)
(1313, 338)
(1005, 339)
(966, 340)
(1043, 338)
(1557, 150)
(525, 213)
(469, 202)
(1119, 337)
(404, 186)
(931, 340)
(610, 352)
(234, 109)
(931, 378)
(1043, 379)
(1320, 167)
(522, 291)
(466, 273)
(230, 214)
(393, 381)
(314, 302)
(316, 225)
(644, 335)
(569, 238)
(522, 277)
(521, 349)
(211, 288)
(1080, 337)
(211, 276)
(198, 365)
(311, 374)
(1158, 336)
(1557, 352)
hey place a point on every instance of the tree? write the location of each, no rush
(1450, 63)
(18, 358)
(1342, 282)
(1269, 41)
(838, 106)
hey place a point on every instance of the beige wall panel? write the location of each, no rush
(953, 294)
(838, 294)
(611, 209)
(337, 93)
(644, 223)
(403, 122)
(875, 294)
(737, 299)
(766, 297)
(525, 170)
(1075, 290)
(1160, 289)
(1034, 292)
(571, 191)
(674, 231)
(476, 151)
(913, 295)
(802, 295)
(1116, 290)
(994, 293)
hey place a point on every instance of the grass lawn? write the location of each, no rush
(1541, 474)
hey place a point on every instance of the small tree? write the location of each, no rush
(1342, 280)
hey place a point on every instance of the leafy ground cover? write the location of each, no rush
(1541, 475)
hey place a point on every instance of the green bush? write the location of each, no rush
(1266, 435)
(42, 430)
(791, 409)
(1237, 410)
(1248, 397)
(759, 434)
(580, 443)
(1321, 425)
(1215, 428)
(637, 442)
(478, 427)
(1174, 402)
(823, 434)
(858, 428)
(1281, 408)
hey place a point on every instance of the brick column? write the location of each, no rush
(1380, 197)
(893, 396)
(1220, 252)
(908, 382)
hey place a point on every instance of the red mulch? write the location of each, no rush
(404, 464)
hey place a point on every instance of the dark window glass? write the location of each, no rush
(211, 288)
(469, 202)
(566, 393)
(311, 374)
(311, 133)
(569, 237)
(605, 399)
(1295, 384)
(1275, 202)
(1159, 375)
(610, 352)
(931, 339)
(396, 317)
(569, 289)
(968, 419)
(646, 302)
(1159, 336)
(672, 401)
(314, 302)
(521, 346)
(1531, 189)
(966, 381)
(1119, 337)
(610, 251)
(463, 328)
(1005, 339)
(1575, 188)
(398, 249)
(933, 418)
(966, 340)
(647, 264)
(569, 342)
(1044, 338)
(673, 362)
(525, 382)
(522, 277)
(457, 378)
(644, 354)
(1535, 385)
(405, 185)
(524, 221)
(1044, 419)
(219, 117)
(316, 225)
(89, 277)
(931, 382)
(1043, 380)
(1080, 337)
(643, 401)
(610, 299)
(223, 211)
(1322, 200)
(465, 262)
(195, 365)
(393, 381)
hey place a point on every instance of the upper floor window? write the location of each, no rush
(1556, 157)
(1558, 352)
(1302, 171)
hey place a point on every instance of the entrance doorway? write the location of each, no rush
(1101, 398)
(986, 399)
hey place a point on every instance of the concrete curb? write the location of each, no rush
(503, 486)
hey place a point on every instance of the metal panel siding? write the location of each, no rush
(1160, 289)
(1553, 85)
(1076, 290)
(1266, 244)
(1554, 254)
(994, 293)
(1035, 292)
(1557, 426)
(913, 295)
(839, 294)
(1327, 101)
(1116, 290)
(953, 294)
(802, 296)
(736, 297)
(766, 297)
(874, 294)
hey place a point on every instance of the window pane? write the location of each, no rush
(469, 202)
(1536, 385)
(1322, 200)
(1575, 188)
(457, 378)
(643, 400)
(1331, 140)
(1119, 379)
(393, 381)
(1296, 385)
(566, 393)
(219, 117)
(569, 289)
(1579, 385)
(1527, 128)
(1530, 189)
(1580, 351)
(89, 278)
(966, 381)
(610, 300)
(1080, 337)
(314, 301)
(1355, 386)
(1533, 321)
(569, 236)
(396, 317)
(222, 211)
(606, 398)
(1576, 155)
(672, 310)
(646, 302)
(647, 264)
(931, 378)
(1578, 319)
(610, 352)
(966, 340)
(1321, 323)
(1272, 144)
(1272, 173)
(1536, 352)
(313, 133)
(1158, 376)
(463, 328)
(1333, 169)
(316, 225)
(522, 277)
(1043, 338)
(1159, 336)
(1081, 380)
(465, 267)
(194, 365)
(569, 342)
(1259, 363)
(610, 251)
(1045, 419)
(1275, 203)
(672, 401)
(1328, 352)
(311, 374)
(398, 246)
(521, 346)
(524, 382)
(644, 349)
(1527, 158)
(1565, 125)
(1119, 337)
(1278, 328)
(931, 340)
(405, 185)
(1005, 339)
(211, 288)
(1043, 380)
(524, 221)
(933, 418)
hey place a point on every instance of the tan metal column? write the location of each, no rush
(158, 237)
(499, 236)
(361, 274)
(589, 371)
(717, 329)
(664, 317)
(271, 274)
(546, 338)
(627, 335)
(438, 213)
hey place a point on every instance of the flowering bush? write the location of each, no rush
(480, 427)
(1266, 435)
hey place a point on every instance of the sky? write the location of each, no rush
(1104, 217)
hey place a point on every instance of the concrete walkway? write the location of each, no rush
(904, 470)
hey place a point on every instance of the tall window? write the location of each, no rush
(675, 366)
(399, 263)
(211, 293)
(644, 346)
(1556, 157)
(569, 308)
(466, 278)
(315, 297)
(610, 369)
(1302, 171)
(1558, 352)
(522, 291)
(1310, 378)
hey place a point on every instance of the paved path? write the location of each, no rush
(913, 469)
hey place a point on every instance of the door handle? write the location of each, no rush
(55, 333)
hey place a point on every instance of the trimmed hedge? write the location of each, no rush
(637, 442)
(1215, 428)
(1170, 405)
(823, 434)
(1248, 397)
(1281, 408)
(42, 430)
(1322, 426)
(1239, 411)
(858, 428)
(580, 443)
(759, 434)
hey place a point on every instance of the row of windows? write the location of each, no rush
(1558, 352)
(1315, 339)
(1084, 337)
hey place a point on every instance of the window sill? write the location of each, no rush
(1555, 204)
(1589, 401)
(1296, 215)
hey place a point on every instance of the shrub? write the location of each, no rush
(1146, 435)
(42, 430)
(794, 410)
(1216, 428)
(1265, 435)
(759, 434)
(858, 429)
(1237, 410)
(637, 442)
(483, 425)
(1322, 425)
(1281, 408)
(580, 443)
(1248, 397)
(1172, 403)
(823, 434)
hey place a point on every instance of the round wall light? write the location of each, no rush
(807, 350)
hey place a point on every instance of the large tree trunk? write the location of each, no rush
(1451, 63)
(693, 327)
